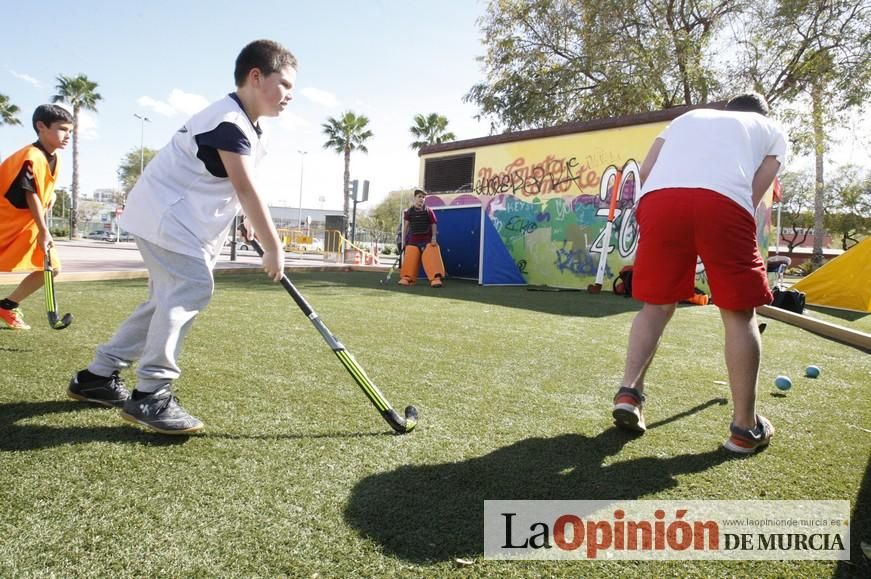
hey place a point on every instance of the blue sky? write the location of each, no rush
(386, 59)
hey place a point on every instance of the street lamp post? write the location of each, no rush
(142, 120)
(302, 155)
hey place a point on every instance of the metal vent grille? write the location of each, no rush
(449, 174)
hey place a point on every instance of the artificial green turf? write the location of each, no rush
(298, 475)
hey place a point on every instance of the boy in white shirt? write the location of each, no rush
(701, 182)
(180, 212)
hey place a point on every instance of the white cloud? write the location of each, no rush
(26, 78)
(292, 122)
(320, 97)
(186, 102)
(156, 106)
(87, 126)
(177, 102)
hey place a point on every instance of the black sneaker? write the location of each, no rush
(160, 411)
(108, 391)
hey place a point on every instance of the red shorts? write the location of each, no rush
(676, 226)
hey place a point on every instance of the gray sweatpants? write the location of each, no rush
(179, 286)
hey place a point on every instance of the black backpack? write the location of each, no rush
(788, 299)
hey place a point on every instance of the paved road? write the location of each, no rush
(92, 260)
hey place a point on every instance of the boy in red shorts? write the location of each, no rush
(702, 180)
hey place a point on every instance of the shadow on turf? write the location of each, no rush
(16, 350)
(426, 514)
(15, 436)
(847, 315)
(568, 303)
(860, 530)
(299, 436)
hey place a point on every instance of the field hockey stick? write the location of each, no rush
(397, 263)
(50, 300)
(606, 238)
(399, 424)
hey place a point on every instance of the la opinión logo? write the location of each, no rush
(569, 532)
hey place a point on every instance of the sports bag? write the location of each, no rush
(788, 299)
(622, 285)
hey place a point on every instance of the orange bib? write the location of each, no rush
(19, 250)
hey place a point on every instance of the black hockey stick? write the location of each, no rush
(399, 424)
(51, 301)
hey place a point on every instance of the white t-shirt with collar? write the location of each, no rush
(178, 203)
(716, 150)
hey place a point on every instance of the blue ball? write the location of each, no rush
(783, 383)
(812, 371)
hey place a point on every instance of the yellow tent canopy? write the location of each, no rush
(844, 282)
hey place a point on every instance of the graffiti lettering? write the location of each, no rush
(521, 267)
(576, 261)
(551, 175)
(562, 209)
(520, 225)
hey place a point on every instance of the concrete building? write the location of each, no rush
(289, 217)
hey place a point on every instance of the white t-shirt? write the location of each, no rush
(180, 203)
(716, 150)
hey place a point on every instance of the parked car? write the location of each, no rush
(241, 244)
(113, 236)
(100, 235)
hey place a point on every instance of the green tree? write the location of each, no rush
(556, 61)
(62, 203)
(850, 214)
(382, 221)
(8, 112)
(129, 169)
(81, 94)
(431, 129)
(812, 49)
(796, 208)
(346, 134)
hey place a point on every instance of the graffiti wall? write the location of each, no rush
(550, 200)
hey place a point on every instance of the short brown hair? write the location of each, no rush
(48, 114)
(267, 55)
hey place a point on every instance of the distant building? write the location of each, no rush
(105, 195)
(289, 217)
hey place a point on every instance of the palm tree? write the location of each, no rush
(345, 134)
(80, 93)
(8, 112)
(430, 130)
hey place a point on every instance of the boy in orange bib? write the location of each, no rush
(27, 180)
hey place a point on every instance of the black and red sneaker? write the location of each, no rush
(750, 440)
(627, 410)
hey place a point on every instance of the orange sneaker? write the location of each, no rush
(14, 319)
(405, 281)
